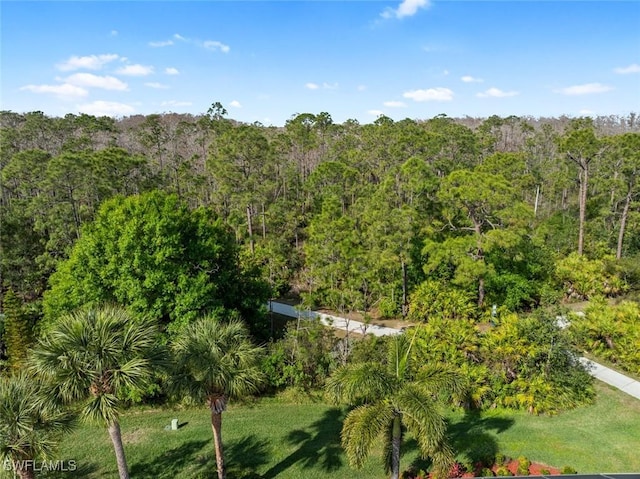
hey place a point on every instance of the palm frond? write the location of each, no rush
(361, 427)
(360, 383)
(423, 418)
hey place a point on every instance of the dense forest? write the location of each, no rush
(517, 212)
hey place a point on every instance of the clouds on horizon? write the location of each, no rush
(430, 94)
(90, 62)
(496, 93)
(106, 108)
(585, 89)
(96, 81)
(64, 91)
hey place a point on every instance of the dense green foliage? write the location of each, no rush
(152, 253)
(611, 332)
(355, 216)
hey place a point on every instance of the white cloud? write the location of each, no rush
(175, 103)
(470, 79)
(171, 71)
(407, 8)
(325, 86)
(586, 89)
(135, 70)
(106, 108)
(64, 90)
(586, 112)
(633, 68)
(96, 81)
(361, 87)
(216, 46)
(159, 86)
(394, 104)
(375, 112)
(91, 62)
(177, 36)
(496, 93)
(159, 44)
(431, 94)
(235, 104)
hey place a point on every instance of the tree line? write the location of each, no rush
(350, 216)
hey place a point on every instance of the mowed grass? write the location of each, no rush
(274, 439)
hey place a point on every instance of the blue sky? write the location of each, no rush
(268, 60)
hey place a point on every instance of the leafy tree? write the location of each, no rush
(95, 356)
(31, 424)
(390, 397)
(215, 361)
(484, 205)
(154, 254)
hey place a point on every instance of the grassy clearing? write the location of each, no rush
(275, 439)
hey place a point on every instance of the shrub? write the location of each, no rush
(486, 472)
(545, 472)
(387, 308)
(568, 470)
(523, 466)
(501, 459)
(503, 471)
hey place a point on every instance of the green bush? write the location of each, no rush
(486, 472)
(568, 470)
(545, 472)
(503, 471)
(387, 308)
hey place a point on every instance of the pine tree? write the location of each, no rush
(17, 334)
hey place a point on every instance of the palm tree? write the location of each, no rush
(216, 361)
(30, 424)
(389, 398)
(95, 356)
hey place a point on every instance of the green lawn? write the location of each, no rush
(272, 439)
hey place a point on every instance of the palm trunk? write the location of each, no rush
(395, 447)
(116, 439)
(24, 469)
(216, 426)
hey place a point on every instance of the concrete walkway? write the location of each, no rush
(333, 321)
(600, 372)
(614, 378)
